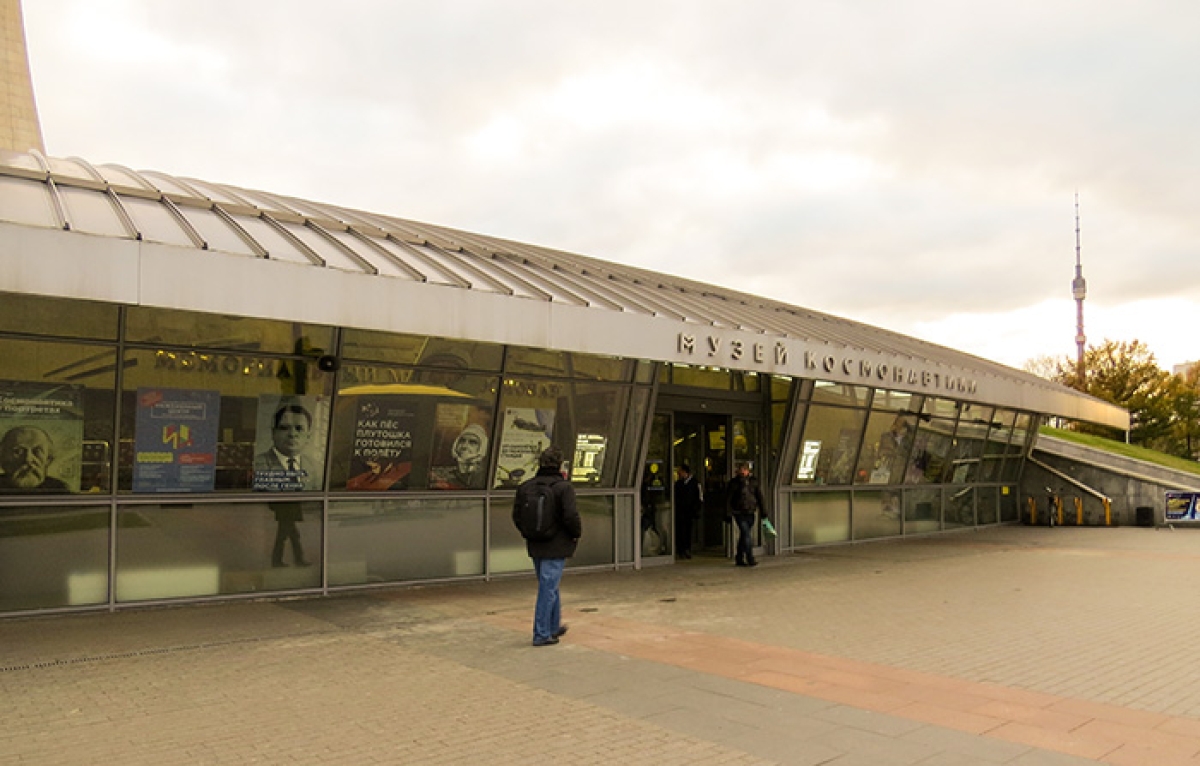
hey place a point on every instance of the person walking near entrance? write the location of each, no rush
(744, 499)
(688, 502)
(545, 514)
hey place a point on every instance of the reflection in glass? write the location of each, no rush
(35, 315)
(820, 517)
(237, 335)
(960, 507)
(421, 350)
(597, 426)
(888, 437)
(701, 377)
(596, 545)
(398, 539)
(1008, 503)
(825, 392)
(53, 556)
(876, 514)
(188, 550)
(989, 497)
(922, 510)
(829, 445)
(927, 463)
(535, 415)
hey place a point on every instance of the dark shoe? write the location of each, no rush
(303, 563)
(751, 563)
(686, 555)
(740, 563)
(562, 631)
(278, 564)
(546, 642)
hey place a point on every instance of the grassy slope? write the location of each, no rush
(1127, 450)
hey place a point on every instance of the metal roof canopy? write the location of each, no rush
(74, 230)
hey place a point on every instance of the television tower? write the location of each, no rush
(1079, 290)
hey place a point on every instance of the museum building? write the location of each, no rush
(212, 392)
(209, 392)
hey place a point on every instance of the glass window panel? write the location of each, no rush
(884, 400)
(92, 212)
(840, 393)
(422, 350)
(820, 517)
(886, 444)
(594, 367)
(190, 550)
(645, 371)
(876, 514)
(941, 408)
(397, 539)
(53, 556)
(1009, 500)
(1011, 469)
(778, 419)
(968, 444)
(596, 544)
(829, 445)
(61, 317)
(597, 426)
(634, 428)
(960, 507)
(999, 433)
(531, 412)
(1021, 426)
(624, 526)
(56, 417)
(215, 232)
(218, 331)
(506, 548)
(194, 422)
(428, 429)
(928, 461)
(746, 381)
(155, 222)
(536, 361)
(922, 510)
(701, 377)
(989, 498)
(27, 202)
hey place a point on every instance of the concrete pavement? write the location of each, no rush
(1012, 645)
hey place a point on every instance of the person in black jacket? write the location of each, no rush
(743, 501)
(688, 502)
(550, 555)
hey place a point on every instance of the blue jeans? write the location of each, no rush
(745, 541)
(547, 614)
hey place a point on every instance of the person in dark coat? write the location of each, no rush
(688, 502)
(550, 556)
(744, 501)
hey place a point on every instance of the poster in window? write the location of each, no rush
(289, 447)
(41, 437)
(589, 458)
(459, 454)
(1183, 506)
(381, 455)
(175, 440)
(527, 432)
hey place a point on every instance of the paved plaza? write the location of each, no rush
(1010, 645)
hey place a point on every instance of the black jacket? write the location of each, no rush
(570, 526)
(736, 504)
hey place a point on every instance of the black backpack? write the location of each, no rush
(747, 500)
(537, 510)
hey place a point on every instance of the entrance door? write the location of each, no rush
(702, 441)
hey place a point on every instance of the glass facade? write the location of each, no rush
(150, 455)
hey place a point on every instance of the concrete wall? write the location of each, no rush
(1129, 483)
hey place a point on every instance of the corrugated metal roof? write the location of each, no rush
(114, 201)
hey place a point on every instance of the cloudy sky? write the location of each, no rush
(908, 164)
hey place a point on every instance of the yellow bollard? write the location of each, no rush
(1032, 512)
(1079, 511)
(1058, 507)
(1107, 512)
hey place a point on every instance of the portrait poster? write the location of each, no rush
(289, 443)
(41, 431)
(459, 449)
(526, 433)
(382, 449)
(175, 440)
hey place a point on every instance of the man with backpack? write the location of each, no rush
(544, 513)
(744, 499)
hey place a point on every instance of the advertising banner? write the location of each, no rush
(460, 446)
(382, 451)
(41, 437)
(1182, 506)
(175, 440)
(526, 433)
